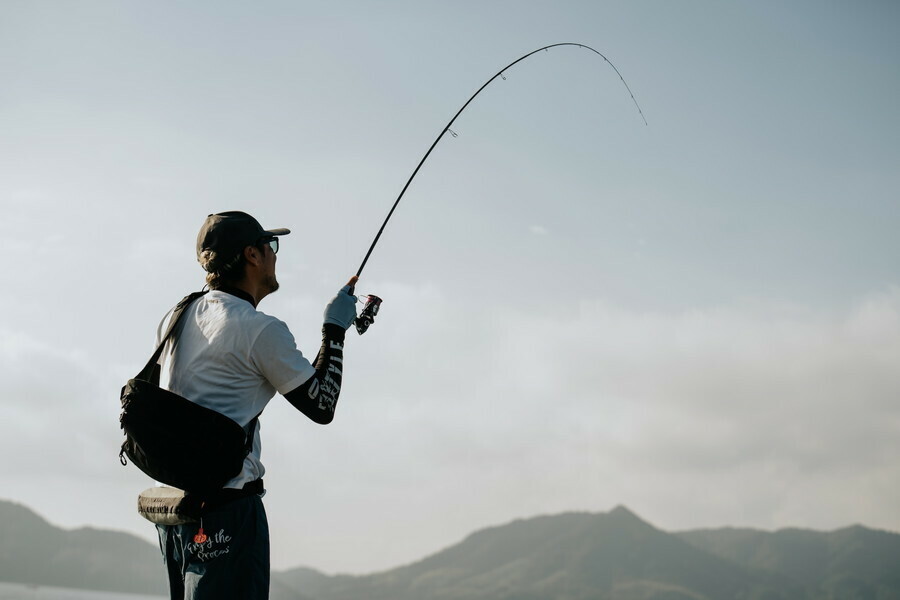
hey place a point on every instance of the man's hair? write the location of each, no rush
(221, 271)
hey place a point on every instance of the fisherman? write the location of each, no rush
(232, 358)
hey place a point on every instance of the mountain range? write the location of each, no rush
(573, 556)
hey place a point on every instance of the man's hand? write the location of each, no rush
(352, 283)
(341, 310)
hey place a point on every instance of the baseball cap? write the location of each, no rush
(228, 233)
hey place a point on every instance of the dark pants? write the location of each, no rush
(231, 563)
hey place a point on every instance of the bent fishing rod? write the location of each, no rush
(367, 316)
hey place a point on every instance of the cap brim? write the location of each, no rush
(277, 232)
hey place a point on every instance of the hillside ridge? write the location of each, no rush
(572, 556)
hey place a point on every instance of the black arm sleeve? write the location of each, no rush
(317, 397)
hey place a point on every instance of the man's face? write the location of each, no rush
(269, 258)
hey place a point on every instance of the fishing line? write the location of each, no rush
(373, 303)
(500, 74)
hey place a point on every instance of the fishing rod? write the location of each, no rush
(367, 316)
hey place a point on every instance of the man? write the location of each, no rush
(231, 358)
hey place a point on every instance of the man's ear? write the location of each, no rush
(253, 255)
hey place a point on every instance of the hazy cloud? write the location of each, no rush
(726, 415)
(55, 412)
(744, 414)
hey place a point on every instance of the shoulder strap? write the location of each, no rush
(252, 426)
(147, 372)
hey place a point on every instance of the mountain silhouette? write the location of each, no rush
(576, 556)
(571, 556)
(853, 562)
(34, 551)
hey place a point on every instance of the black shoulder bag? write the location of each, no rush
(173, 440)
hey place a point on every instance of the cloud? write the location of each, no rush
(758, 414)
(719, 388)
(538, 230)
(456, 416)
(55, 413)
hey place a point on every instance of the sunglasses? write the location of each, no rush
(272, 242)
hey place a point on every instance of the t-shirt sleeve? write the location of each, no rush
(276, 355)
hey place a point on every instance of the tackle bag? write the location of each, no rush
(169, 506)
(173, 440)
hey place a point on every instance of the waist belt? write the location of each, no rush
(220, 497)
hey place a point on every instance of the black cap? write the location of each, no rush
(228, 233)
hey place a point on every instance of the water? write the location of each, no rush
(22, 591)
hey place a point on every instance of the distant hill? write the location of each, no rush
(854, 562)
(573, 556)
(616, 555)
(577, 556)
(34, 551)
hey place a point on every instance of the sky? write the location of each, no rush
(697, 318)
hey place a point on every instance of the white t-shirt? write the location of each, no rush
(231, 358)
